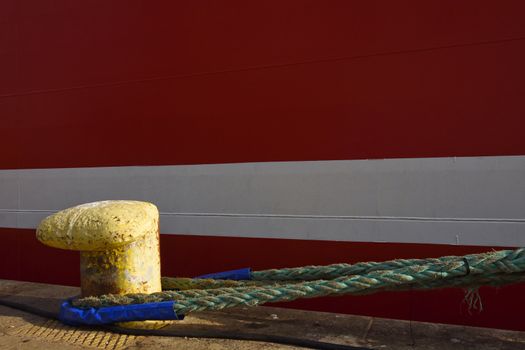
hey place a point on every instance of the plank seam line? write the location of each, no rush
(254, 68)
(300, 217)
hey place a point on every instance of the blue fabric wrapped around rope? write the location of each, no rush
(236, 275)
(75, 316)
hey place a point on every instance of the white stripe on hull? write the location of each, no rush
(470, 201)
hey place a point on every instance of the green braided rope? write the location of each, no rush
(468, 282)
(308, 273)
(355, 284)
(495, 268)
(180, 284)
(304, 273)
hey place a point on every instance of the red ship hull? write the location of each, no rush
(250, 125)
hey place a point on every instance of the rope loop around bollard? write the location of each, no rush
(244, 287)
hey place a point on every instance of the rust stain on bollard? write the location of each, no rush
(119, 247)
(133, 268)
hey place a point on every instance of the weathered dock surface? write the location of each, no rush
(22, 330)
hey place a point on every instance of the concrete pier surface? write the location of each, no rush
(22, 330)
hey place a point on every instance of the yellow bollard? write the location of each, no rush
(119, 247)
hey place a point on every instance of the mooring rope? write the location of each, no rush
(277, 285)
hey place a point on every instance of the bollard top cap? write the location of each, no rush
(99, 226)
